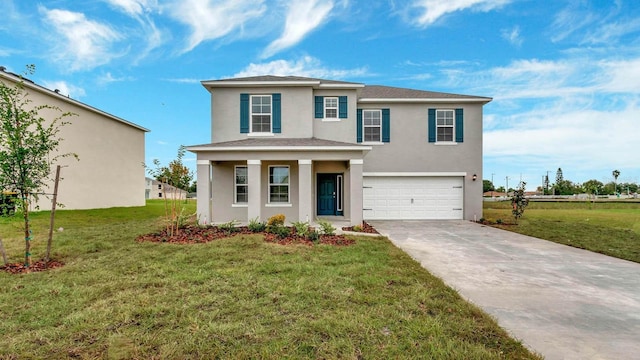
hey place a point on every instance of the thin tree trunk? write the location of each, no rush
(27, 233)
(53, 213)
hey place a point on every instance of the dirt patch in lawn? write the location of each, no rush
(36, 266)
(199, 235)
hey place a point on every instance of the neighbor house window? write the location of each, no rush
(330, 107)
(260, 113)
(445, 125)
(159, 186)
(241, 185)
(278, 184)
(372, 125)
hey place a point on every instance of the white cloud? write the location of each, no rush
(85, 44)
(135, 7)
(65, 89)
(429, 11)
(210, 19)
(513, 36)
(306, 66)
(108, 78)
(140, 10)
(303, 17)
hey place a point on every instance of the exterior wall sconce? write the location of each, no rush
(474, 177)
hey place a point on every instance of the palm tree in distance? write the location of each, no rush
(615, 174)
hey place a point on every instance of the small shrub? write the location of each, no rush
(229, 227)
(314, 236)
(482, 220)
(276, 220)
(357, 228)
(302, 228)
(256, 226)
(499, 221)
(281, 231)
(327, 228)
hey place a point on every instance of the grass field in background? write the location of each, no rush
(610, 228)
(234, 298)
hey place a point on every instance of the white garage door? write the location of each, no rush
(412, 198)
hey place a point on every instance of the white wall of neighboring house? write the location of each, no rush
(110, 170)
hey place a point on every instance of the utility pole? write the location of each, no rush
(507, 188)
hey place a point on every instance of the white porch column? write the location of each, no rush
(203, 193)
(305, 190)
(355, 190)
(254, 177)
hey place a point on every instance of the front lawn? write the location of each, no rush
(239, 297)
(610, 228)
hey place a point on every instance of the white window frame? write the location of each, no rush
(327, 107)
(287, 184)
(365, 126)
(251, 114)
(235, 184)
(452, 126)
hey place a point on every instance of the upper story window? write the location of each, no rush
(330, 107)
(372, 125)
(445, 127)
(260, 113)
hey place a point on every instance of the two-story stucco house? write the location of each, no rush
(309, 148)
(111, 152)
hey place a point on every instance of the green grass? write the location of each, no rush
(234, 298)
(608, 228)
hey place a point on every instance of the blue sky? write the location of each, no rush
(564, 75)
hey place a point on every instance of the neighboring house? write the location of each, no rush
(110, 171)
(309, 148)
(155, 189)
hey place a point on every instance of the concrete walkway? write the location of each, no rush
(562, 302)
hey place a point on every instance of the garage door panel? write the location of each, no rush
(413, 198)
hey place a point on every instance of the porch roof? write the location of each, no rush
(279, 144)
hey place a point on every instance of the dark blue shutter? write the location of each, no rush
(386, 130)
(244, 113)
(319, 107)
(275, 108)
(359, 126)
(459, 126)
(342, 107)
(431, 128)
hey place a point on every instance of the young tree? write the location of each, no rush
(487, 185)
(175, 173)
(28, 144)
(518, 201)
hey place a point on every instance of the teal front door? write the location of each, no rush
(327, 194)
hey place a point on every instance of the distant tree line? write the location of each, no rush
(567, 187)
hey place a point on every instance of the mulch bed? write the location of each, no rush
(199, 235)
(36, 266)
(365, 228)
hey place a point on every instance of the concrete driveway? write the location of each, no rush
(562, 302)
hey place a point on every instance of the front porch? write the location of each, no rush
(300, 178)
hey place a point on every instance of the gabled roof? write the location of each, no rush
(278, 144)
(55, 94)
(271, 80)
(379, 93)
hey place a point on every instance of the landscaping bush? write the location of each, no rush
(256, 226)
(276, 220)
(229, 227)
(327, 227)
(302, 228)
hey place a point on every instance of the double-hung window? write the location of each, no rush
(331, 108)
(372, 125)
(241, 185)
(278, 184)
(445, 128)
(260, 113)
